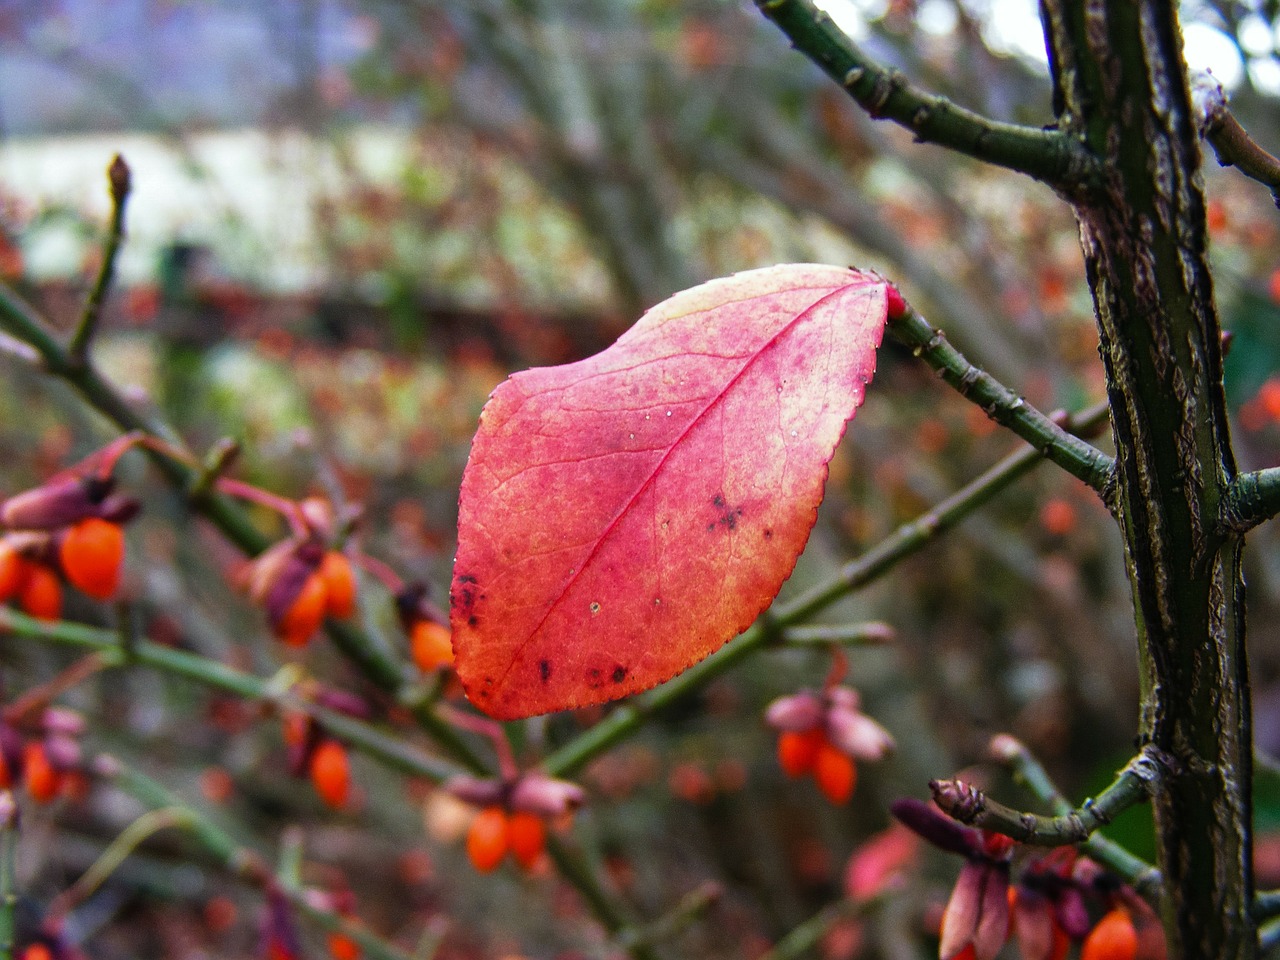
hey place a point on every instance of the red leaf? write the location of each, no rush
(624, 516)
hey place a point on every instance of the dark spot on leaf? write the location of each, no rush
(768, 533)
(472, 620)
(727, 516)
(619, 673)
(463, 597)
(544, 670)
(594, 678)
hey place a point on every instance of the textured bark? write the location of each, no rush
(1121, 87)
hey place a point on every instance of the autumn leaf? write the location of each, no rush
(625, 516)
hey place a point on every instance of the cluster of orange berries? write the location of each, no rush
(48, 763)
(823, 734)
(1045, 911)
(68, 529)
(512, 816)
(315, 754)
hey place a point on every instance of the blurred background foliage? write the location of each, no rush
(353, 217)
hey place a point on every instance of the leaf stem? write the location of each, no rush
(1045, 154)
(1078, 457)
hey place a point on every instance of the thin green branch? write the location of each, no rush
(21, 321)
(572, 867)
(1078, 457)
(121, 181)
(389, 750)
(1252, 498)
(1230, 141)
(692, 907)
(804, 937)
(971, 806)
(1045, 154)
(906, 540)
(1029, 772)
(8, 873)
(873, 633)
(240, 860)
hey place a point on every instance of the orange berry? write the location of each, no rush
(1269, 398)
(305, 614)
(1058, 517)
(1114, 938)
(1273, 285)
(37, 951)
(12, 570)
(342, 947)
(340, 585)
(430, 645)
(41, 593)
(92, 556)
(797, 750)
(527, 837)
(835, 773)
(41, 779)
(487, 839)
(331, 773)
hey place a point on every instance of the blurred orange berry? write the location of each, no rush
(487, 839)
(92, 556)
(798, 750)
(342, 947)
(835, 773)
(12, 570)
(1058, 517)
(1273, 285)
(1216, 215)
(41, 592)
(1114, 938)
(220, 914)
(305, 614)
(331, 773)
(1268, 398)
(527, 837)
(216, 785)
(340, 585)
(42, 781)
(37, 951)
(430, 645)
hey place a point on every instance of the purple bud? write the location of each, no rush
(545, 796)
(62, 751)
(55, 504)
(958, 799)
(343, 701)
(119, 508)
(797, 712)
(64, 721)
(474, 790)
(1072, 914)
(936, 827)
(858, 735)
(845, 697)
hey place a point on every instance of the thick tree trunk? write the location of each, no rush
(1121, 86)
